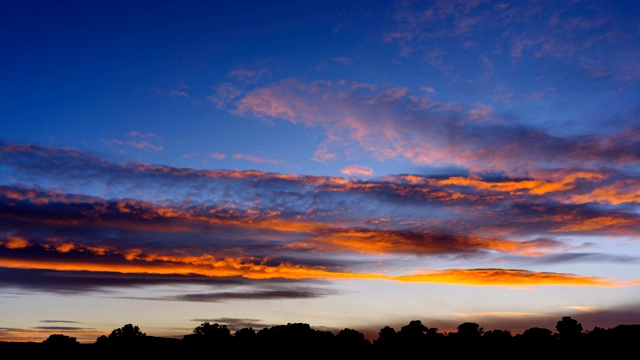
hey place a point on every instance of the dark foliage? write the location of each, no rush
(299, 340)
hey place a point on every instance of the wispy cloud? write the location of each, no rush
(138, 140)
(223, 94)
(248, 74)
(178, 93)
(582, 36)
(342, 60)
(357, 170)
(217, 156)
(254, 158)
(301, 293)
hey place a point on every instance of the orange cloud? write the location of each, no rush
(66, 247)
(503, 277)
(619, 192)
(143, 217)
(210, 266)
(390, 242)
(15, 242)
(534, 187)
(597, 223)
(357, 170)
(206, 265)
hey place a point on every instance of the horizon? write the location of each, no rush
(369, 336)
(343, 164)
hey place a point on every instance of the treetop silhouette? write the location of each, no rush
(295, 340)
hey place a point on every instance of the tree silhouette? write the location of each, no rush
(207, 334)
(212, 330)
(245, 333)
(128, 331)
(569, 328)
(387, 337)
(433, 332)
(128, 335)
(497, 334)
(537, 333)
(469, 330)
(415, 330)
(102, 340)
(348, 337)
(299, 340)
(59, 340)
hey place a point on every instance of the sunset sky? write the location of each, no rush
(345, 164)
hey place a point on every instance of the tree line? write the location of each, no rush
(301, 340)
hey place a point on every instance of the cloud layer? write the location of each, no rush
(64, 212)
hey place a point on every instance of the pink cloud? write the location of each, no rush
(224, 93)
(357, 170)
(391, 123)
(218, 156)
(145, 145)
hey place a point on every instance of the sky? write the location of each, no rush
(345, 164)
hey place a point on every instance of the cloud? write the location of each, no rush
(60, 328)
(256, 159)
(81, 282)
(217, 156)
(60, 321)
(302, 293)
(357, 170)
(138, 134)
(223, 94)
(178, 93)
(397, 123)
(587, 257)
(440, 30)
(249, 75)
(15, 242)
(153, 224)
(138, 140)
(502, 277)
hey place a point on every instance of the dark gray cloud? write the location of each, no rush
(60, 321)
(78, 282)
(275, 294)
(588, 258)
(62, 328)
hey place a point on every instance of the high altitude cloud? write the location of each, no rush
(582, 33)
